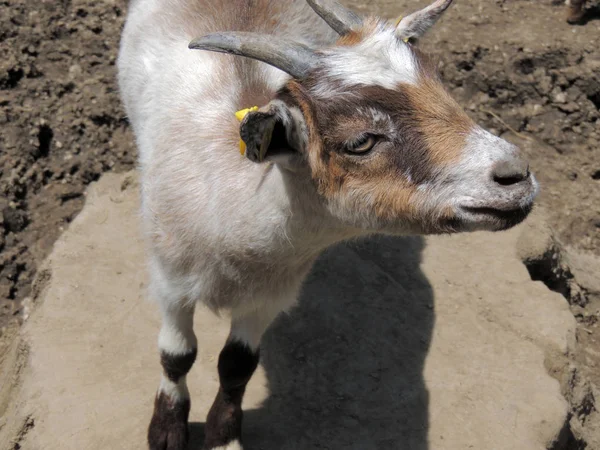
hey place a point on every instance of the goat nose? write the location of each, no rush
(509, 172)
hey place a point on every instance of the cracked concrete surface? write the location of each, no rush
(438, 343)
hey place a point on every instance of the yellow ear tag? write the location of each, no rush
(239, 115)
(398, 20)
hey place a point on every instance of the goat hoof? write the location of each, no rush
(575, 15)
(223, 428)
(168, 428)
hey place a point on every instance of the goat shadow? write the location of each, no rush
(591, 14)
(345, 367)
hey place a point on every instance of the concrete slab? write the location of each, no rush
(397, 343)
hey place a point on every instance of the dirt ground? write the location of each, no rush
(515, 64)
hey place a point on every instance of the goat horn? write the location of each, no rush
(338, 17)
(291, 57)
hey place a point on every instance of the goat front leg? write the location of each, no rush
(177, 342)
(237, 362)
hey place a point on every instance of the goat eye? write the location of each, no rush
(362, 144)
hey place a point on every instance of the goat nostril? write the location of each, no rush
(507, 173)
(508, 181)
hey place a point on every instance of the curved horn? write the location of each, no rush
(291, 57)
(338, 17)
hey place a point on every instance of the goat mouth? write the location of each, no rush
(497, 219)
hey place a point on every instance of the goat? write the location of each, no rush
(355, 135)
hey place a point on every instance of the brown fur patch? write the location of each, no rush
(396, 200)
(392, 197)
(349, 39)
(298, 95)
(339, 120)
(442, 121)
(356, 36)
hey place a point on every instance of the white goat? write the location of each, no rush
(355, 136)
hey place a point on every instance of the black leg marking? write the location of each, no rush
(168, 428)
(237, 363)
(176, 366)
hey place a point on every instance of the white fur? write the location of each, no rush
(177, 333)
(233, 445)
(202, 201)
(380, 60)
(249, 327)
(475, 170)
(174, 391)
(472, 184)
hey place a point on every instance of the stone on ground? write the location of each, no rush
(440, 343)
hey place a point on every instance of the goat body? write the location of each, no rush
(355, 135)
(223, 230)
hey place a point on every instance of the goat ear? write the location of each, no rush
(270, 134)
(415, 25)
